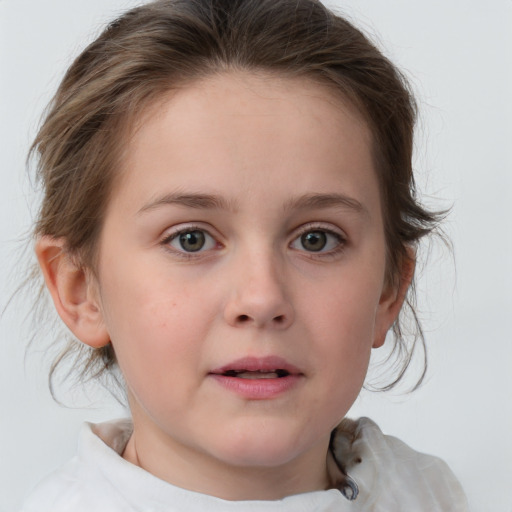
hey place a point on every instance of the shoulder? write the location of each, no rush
(391, 475)
(59, 491)
(71, 488)
(80, 485)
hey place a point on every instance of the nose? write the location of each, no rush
(258, 295)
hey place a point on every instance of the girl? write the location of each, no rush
(229, 219)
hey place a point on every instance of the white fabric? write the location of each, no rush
(391, 478)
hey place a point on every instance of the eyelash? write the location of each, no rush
(340, 241)
(188, 255)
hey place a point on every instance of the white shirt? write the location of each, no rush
(391, 477)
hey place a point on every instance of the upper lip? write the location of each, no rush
(258, 364)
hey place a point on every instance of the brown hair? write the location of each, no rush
(165, 44)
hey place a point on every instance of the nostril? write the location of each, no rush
(244, 319)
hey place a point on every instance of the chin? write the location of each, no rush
(263, 448)
(249, 458)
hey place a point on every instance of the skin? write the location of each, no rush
(253, 163)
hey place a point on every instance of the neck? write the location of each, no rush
(199, 472)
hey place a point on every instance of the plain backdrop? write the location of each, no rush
(457, 54)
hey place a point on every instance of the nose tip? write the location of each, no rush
(260, 301)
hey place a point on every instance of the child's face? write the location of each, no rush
(245, 233)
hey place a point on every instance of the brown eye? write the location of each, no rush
(314, 240)
(321, 241)
(191, 240)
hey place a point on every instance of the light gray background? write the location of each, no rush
(458, 55)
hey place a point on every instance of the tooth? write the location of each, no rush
(257, 375)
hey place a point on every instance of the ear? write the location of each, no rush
(73, 291)
(392, 298)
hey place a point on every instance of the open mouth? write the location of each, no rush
(258, 374)
(270, 367)
(258, 378)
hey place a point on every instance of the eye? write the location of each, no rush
(318, 241)
(191, 240)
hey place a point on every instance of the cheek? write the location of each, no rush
(344, 309)
(341, 320)
(156, 327)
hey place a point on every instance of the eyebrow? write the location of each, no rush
(314, 201)
(324, 201)
(196, 201)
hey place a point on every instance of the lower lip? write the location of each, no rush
(258, 389)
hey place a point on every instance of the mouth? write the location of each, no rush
(258, 378)
(270, 367)
(278, 373)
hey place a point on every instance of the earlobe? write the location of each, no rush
(392, 299)
(72, 291)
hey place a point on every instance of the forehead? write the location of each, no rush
(239, 129)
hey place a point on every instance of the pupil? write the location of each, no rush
(192, 241)
(314, 240)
